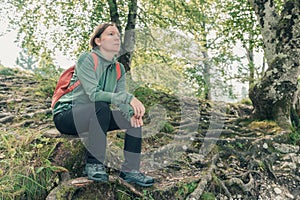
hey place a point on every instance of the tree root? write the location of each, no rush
(196, 194)
(245, 187)
(129, 187)
(67, 189)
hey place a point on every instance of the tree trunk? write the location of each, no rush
(128, 42)
(251, 67)
(273, 96)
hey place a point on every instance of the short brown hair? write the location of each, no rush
(98, 31)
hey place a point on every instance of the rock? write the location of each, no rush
(52, 133)
(7, 119)
(286, 148)
(277, 191)
(265, 146)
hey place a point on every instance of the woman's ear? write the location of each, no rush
(97, 41)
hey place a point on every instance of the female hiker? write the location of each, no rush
(87, 108)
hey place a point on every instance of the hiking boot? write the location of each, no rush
(137, 177)
(96, 172)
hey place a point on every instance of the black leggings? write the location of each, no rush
(97, 119)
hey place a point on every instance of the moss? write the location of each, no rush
(167, 128)
(268, 126)
(186, 188)
(207, 196)
(294, 137)
(65, 191)
(246, 101)
(69, 153)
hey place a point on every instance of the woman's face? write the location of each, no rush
(109, 40)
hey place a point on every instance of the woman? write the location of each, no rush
(87, 108)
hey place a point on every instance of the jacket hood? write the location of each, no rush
(108, 62)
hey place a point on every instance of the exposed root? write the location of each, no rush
(130, 187)
(196, 194)
(245, 187)
(227, 193)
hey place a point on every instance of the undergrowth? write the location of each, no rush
(47, 78)
(25, 171)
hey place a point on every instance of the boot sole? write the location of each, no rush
(138, 183)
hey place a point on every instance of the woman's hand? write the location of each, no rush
(138, 108)
(136, 122)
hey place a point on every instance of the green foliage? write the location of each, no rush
(172, 41)
(154, 64)
(26, 61)
(246, 101)
(147, 195)
(240, 24)
(239, 145)
(146, 95)
(7, 71)
(25, 172)
(207, 196)
(187, 188)
(167, 128)
(47, 77)
(295, 135)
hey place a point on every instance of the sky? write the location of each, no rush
(8, 50)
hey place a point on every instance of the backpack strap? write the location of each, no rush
(95, 57)
(118, 69)
(72, 87)
(77, 83)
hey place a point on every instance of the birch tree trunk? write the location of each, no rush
(128, 42)
(272, 97)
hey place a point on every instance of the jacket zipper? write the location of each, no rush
(105, 77)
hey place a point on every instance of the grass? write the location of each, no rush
(25, 171)
(7, 71)
(295, 136)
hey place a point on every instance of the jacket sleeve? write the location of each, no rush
(89, 82)
(125, 107)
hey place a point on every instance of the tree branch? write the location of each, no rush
(114, 15)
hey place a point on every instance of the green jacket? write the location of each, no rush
(99, 85)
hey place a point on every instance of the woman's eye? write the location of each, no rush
(114, 34)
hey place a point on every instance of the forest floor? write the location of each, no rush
(194, 149)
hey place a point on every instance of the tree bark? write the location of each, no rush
(273, 96)
(128, 42)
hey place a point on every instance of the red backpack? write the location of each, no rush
(63, 84)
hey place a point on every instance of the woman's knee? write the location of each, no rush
(134, 132)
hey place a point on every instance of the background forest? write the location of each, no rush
(193, 39)
(204, 49)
